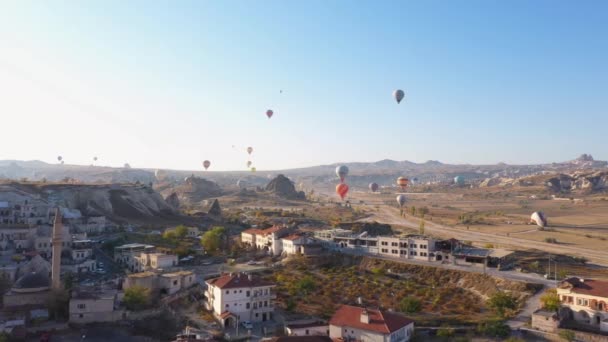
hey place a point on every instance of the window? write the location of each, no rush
(265, 303)
(82, 306)
(174, 282)
(394, 244)
(247, 306)
(81, 315)
(227, 305)
(227, 292)
(234, 291)
(394, 251)
(247, 293)
(256, 314)
(240, 291)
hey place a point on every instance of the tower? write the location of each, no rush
(56, 257)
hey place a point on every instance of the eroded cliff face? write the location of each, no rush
(588, 182)
(192, 192)
(118, 202)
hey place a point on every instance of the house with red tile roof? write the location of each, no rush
(585, 301)
(353, 323)
(239, 297)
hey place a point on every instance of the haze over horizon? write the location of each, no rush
(168, 85)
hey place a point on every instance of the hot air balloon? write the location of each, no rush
(342, 172)
(401, 199)
(253, 169)
(539, 219)
(241, 183)
(249, 150)
(269, 113)
(373, 187)
(127, 166)
(59, 158)
(206, 164)
(459, 180)
(249, 163)
(398, 95)
(342, 190)
(94, 158)
(402, 182)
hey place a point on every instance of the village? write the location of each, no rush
(63, 270)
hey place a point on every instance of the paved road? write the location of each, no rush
(525, 315)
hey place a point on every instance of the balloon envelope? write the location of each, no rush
(249, 163)
(269, 113)
(249, 150)
(253, 169)
(401, 199)
(539, 219)
(373, 187)
(398, 95)
(342, 172)
(402, 182)
(59, 158)
(459, 180)
(342, 190)
(206, 164)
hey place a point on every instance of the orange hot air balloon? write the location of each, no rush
(402, 182)
(342, 190)
(206, 164)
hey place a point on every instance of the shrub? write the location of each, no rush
(550, 300)
(500, 302)
(494, 329)
(550, 240)
(410, 305)
(136, 297)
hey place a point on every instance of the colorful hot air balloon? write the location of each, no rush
(206, 164)
(398, 95)
(402, 182)
(373, 187)
(459, 180)
(342, 190)
(401, 199)
(342, 172)
(269, 113)
(253, 169)
(539, 219)
(249, 150)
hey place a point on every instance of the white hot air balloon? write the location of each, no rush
(242, 184)
(539, 219)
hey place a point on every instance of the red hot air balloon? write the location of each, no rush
(402, 182)
(269, 113)
(206, 164)
(342, 190)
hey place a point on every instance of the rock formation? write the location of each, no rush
(282, 187)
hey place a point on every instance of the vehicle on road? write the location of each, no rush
(247, 325)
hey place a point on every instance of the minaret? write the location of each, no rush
(56, 258)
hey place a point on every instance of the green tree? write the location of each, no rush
(212, 240)
(494, 329)
(445, 331)
(550, 300)
(500, 302)
(169, 234)
(410, 305)
(306, 285)
(136, 297)
(421, 227)
(181, 231)
(4, 337)
(567, 335)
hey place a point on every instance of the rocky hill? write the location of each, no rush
(282, 187)
(118, 202)
(191, 192)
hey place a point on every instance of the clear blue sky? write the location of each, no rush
(168, 84)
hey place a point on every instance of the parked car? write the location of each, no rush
(247, 325)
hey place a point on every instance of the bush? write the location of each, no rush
(410, 305)
(567, 335)
(550, 240)
(136, 297)
(494, 329)
(500, 302)
(550, 300)
(445, 331)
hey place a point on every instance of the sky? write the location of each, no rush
(168, 84)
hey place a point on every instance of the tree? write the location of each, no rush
(212, 240)
(550, 300)
(181, 231)
(567, 335)
(500, 302)
(410, 305)
(136, 297)
(494, 329)
(169, 234)
(421, 227)
(306, 285)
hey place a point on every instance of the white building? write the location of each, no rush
(585, 301)
(307, 328)
(293, 244)
(153, 261)
(239, 297)
(126, 254)
(360, 324)
(408, 247)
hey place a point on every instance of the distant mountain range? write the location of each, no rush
(382, 172)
